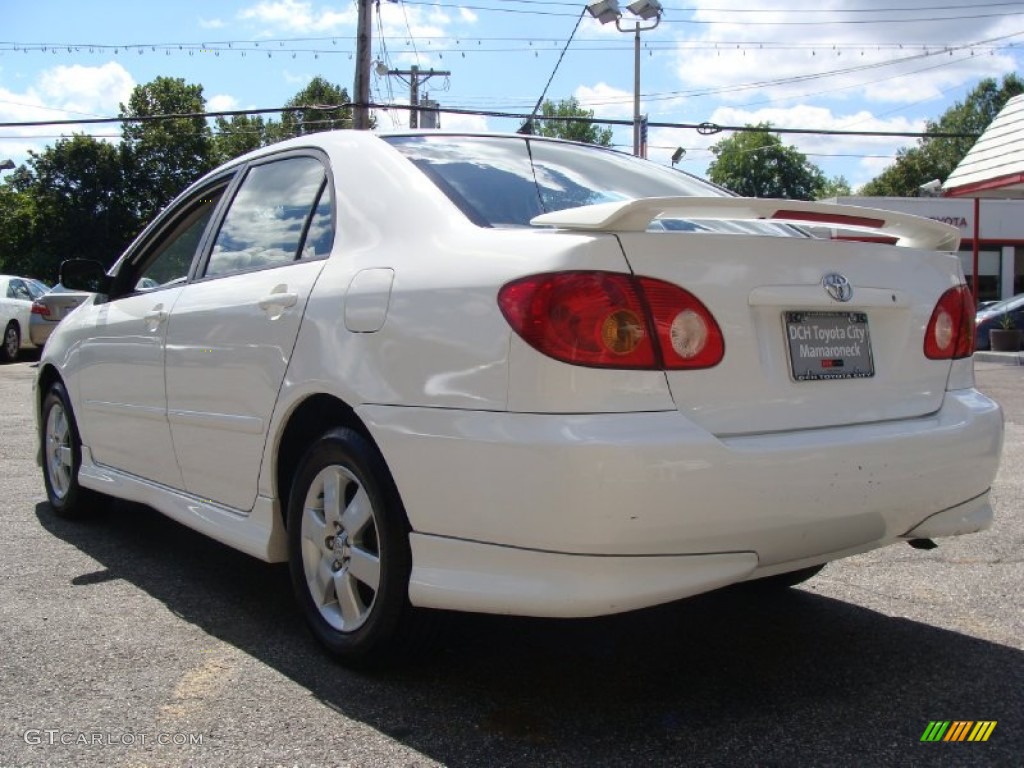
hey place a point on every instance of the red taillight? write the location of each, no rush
(40, 309)
(612, 320)
(950, 332)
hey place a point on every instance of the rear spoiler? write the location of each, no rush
(637, 215)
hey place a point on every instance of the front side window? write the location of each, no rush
(276, 204)
(166, 258)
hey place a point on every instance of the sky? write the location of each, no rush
(866, 65)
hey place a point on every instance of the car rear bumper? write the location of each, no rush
(566, 502)
(39, 331)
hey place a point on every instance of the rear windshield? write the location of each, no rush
(500, 181)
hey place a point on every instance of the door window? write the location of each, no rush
(276, 205)
(16, 289)
(166, 259)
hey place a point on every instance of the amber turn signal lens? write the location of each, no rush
(621, 332)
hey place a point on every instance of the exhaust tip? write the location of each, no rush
(922, 544)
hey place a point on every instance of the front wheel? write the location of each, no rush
(62, 457)
(348, 545)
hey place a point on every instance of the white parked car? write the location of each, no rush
(516, 375)
(16, 297)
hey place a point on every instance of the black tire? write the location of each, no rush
(11, 343)
(344, 513)
(62, 457)
(782, 581)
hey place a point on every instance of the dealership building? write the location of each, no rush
(1000, 236)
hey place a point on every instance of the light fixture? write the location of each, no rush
(381, 69)
(605, 11)
(645, 9)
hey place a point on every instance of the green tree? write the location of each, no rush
(580, 128)
(837, 186)
(17, 222)
(162, 157)
(935, 158)
(70, 197)
(241, 134)
(313, 118)
(757, 164)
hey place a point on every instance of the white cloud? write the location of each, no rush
(734, 56)
(471, 123)
(64, 93)
(91, 90)
(221, 103)
(468, 16)
(293, 78)
(211, 23)
(297, 16)
(605, 100)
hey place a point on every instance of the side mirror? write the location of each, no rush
(85, 275)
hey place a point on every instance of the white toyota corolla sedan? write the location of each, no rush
(508, 374)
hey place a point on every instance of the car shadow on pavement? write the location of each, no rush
(722, 679)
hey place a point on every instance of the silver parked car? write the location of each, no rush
(50, 309)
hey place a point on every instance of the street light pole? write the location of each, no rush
(607, 11)
(636, 91)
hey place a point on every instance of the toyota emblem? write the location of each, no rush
(837, 286)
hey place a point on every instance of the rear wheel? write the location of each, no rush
(11, 343)
(348, 542)
(62, 457)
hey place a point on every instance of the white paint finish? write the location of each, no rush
(655, 483)
(628, 475)
(119, 372)
(752, 389)
(637, 215)
(18, 311)
(472, 576)
(229, 341)
(259, 533)
(367, 299)
(971, 517)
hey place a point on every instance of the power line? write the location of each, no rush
(704, 128)
(558, 63)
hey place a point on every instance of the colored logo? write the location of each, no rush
(958, 730)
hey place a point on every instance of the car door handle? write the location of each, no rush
(155, 317)
(280, 300)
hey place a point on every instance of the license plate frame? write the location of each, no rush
(828, 346)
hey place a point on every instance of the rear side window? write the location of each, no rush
(277, 204)
(506, 181)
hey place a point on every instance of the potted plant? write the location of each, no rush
(1005, 338)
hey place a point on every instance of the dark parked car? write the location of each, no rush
(992, 317)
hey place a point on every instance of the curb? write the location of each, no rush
(1003, 358)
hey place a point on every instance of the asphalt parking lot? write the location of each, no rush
(132, 641)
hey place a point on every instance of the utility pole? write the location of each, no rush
(361, 88)
(416, 77)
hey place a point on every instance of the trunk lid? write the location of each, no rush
(769, 296)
